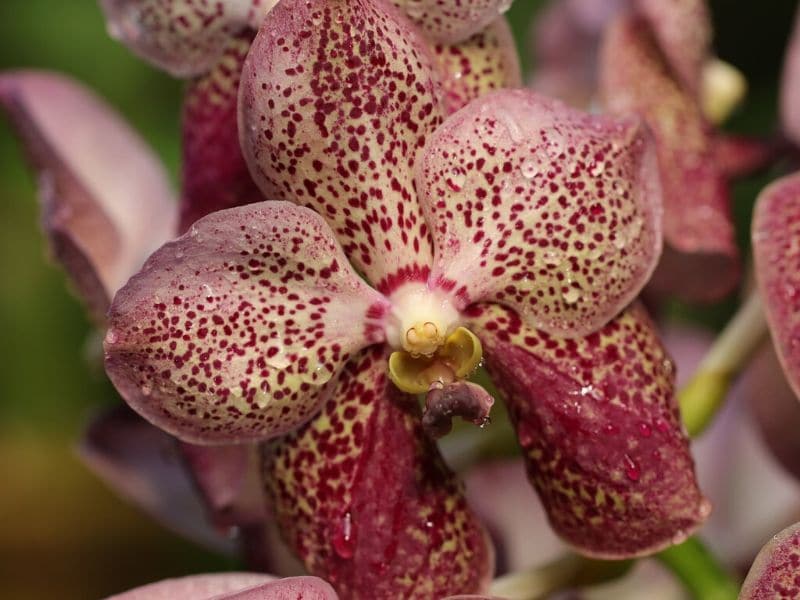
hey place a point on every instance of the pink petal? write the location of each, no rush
(790, 85)
(229, 586)
(700, 257)
(506, 504)
(451, 22)
(228, 479)
(774, 573)
(484, 62)
(776, 251)
(599, 427)
(142, 464)
(683, 31)
(215, 175)
(232, 332)
(182, 37)
(365, 500)
(338, 98)
(740, 156)
(565, 38)
(543, 208)
(106, 200)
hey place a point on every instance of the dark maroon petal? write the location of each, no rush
(683, 31)
(338, 97)
(776, 251)
(106, 200)
(698, 229)
(484, 62)
(451, 22)
(142, 464)
(790, 85)
(183, 37)
(546, 209)
(215, 174)
(231, 333)
(230, 586)
(774, 574)
(365, 500)
(228, 479)
(599, 426)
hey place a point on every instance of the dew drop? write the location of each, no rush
(146, 389)
(179, 253)
(456, 179)
(596, 169)
(111, 337)
(572, 295)
(344, 538)
(552, 258)
(645, 430)
(632, 470)
(704, 510)
(511, 125)
(680, 537)
(529, 169)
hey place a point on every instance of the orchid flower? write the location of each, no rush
(255, 320)
(774, 572)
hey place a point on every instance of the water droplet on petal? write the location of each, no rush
(572, 295)
(456, 179)
(632, 470)
(645, 430)
(529, 169)
(344, 538)
(680, 537)
(704, 509)
(111, 337)
(146, 389)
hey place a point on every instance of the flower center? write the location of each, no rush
(431, 348)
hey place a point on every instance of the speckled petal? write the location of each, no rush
(683, 31)
(233, 586)
(183, 37)
(215, 174)
(106, 200)
(484, 62)
(599, 427)
(698, 229)
(232, 332)
(366, 501)
(338, 97)
(452, 21)
(543, 208)
(776, 251)
(774, 574)
(143, 465)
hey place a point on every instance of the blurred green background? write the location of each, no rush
(62, 534)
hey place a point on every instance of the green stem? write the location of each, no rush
(704, 395)
(568, 571)
(696, 567)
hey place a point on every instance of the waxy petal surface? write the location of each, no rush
(776, 251)
(683, 30)
(484, 62)
(365, 500)
(790, 85)
(143, 465)
(698, 229)
(183, 37)
(774, 574)
(233, 586)
(215, 174)
(599, 427)
(452, 21)
(232, 332)
(338, 97)
(543, 208)
(106, 200)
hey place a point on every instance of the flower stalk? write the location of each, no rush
(700, 572)
(705, 393)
